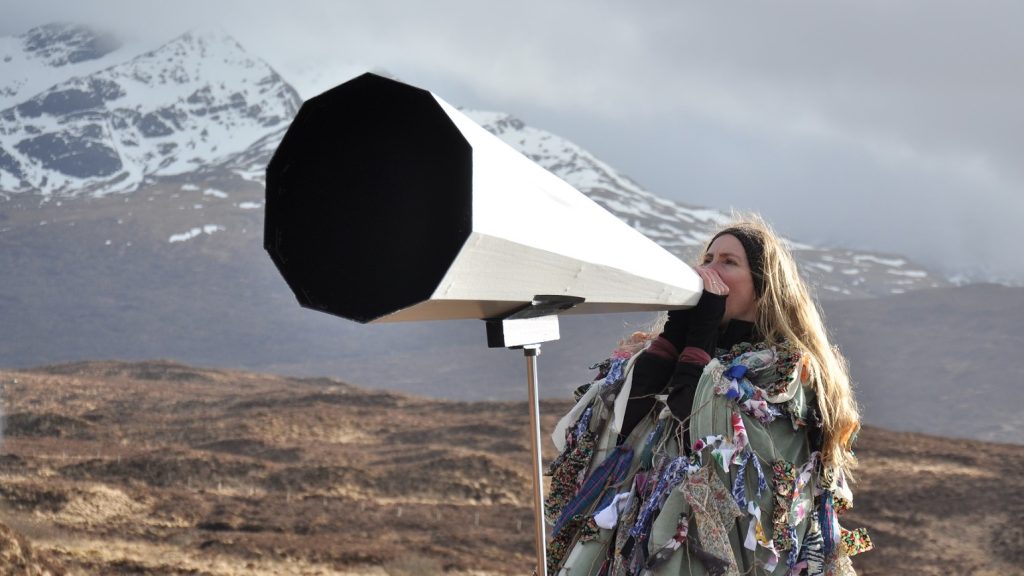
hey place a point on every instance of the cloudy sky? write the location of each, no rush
(880, 124)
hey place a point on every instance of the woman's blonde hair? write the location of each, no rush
(785, 312)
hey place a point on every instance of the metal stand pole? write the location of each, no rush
(540, 539)
(526, 328)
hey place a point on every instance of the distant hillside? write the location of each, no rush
(930, 360)
(168, 469)
(938, 361)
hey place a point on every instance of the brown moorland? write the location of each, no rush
(167, 469)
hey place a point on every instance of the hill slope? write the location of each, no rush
(927, 361)
(935, 360)
(163, 468)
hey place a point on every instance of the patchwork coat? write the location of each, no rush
(750, 496)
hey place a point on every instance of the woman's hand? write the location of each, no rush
(712, 281)
(696, 326)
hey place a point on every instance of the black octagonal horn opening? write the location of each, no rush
(369, 198)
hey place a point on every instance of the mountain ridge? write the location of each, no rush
(107, 133)
(167, 111)
(65, 50)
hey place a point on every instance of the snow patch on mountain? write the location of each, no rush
(166, 112)
(195, 232)
(48, 55)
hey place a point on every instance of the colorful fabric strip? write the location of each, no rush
(829, 523)
(609, 515)
(610, 473)
(713, 509)
(674, 543)
(672, 476)
(714, 565)
(615, 371)
(749, 398)
(739, 432)
(653, 438)
(762, 483)
(723, 455)
(755, 537)
(812, 555)
(560, 545)
(583, 424)
(739, 486)
(839, 565)
(853, 542)
(566, 475)
(797, 509)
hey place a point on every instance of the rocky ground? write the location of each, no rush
(167, 469)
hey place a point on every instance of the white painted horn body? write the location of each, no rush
(489, 238)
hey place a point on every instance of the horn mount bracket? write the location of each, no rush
(534, 323)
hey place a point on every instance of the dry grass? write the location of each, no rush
(164, 469)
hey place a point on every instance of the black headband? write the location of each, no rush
(754, 248)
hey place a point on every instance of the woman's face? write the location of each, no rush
(727, 257)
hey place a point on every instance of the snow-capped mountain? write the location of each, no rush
(200, 108)
(176, 109)
(47, 55)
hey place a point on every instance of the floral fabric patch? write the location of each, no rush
(714, 511)
(853, 542)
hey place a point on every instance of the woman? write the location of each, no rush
(723, 447)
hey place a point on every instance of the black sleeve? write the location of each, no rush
(680, 400)
(704, 320)
(677, 327)
(651, 375)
